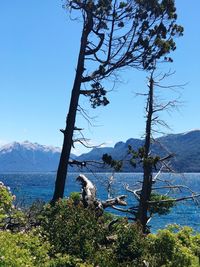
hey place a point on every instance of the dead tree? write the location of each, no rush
(145, 193)
(90, 200)
(149, 200)
(148, 196)
(115, 35)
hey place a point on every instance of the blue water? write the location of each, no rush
(31, 186)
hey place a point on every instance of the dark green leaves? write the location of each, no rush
(115, 164)
(161, 205)
(98, 95)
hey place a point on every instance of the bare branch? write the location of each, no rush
(135, 192)
(156, 176)
(115, 201)
(131, 211)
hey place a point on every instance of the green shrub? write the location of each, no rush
(70, 235)
(196, 246)
(161, 208)
(22, 250)
(130, 245)
(72, 229)
(6, 200)
(167, 249)
(33, 214)
(10, 216)
(76, 197)
(67, 261)
(29, 250)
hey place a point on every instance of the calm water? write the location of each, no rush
(31, 186)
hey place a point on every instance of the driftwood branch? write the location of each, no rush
(89, 196)
(114, 201)
(88, 190)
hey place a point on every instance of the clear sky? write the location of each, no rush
(38, 52)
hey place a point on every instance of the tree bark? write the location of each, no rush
(71, 117)
(145, 194)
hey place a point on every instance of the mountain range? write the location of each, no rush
(29, 157)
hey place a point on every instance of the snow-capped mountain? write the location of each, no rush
(29, 146)
(27, 156)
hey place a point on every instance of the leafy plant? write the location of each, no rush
(72, 229)
(130, 244)
(76, 197)
(162, 204)
(10, 216)
(22, 250)
(172, 249)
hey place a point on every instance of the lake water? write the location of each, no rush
(31, 186)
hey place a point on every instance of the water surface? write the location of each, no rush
(31, 186)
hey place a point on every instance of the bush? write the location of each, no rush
(6, 200)
(76, 197)
(130, 245)
(10, 216)
(72, 229)
(22, 250)
(29, 250)
(76, 231)
(67, 261)
(70, 235)
(161, 208)
(172, 249)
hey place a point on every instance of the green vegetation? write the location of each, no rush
(159, 207)
(75, 232)
(23, 249)
(69, 235)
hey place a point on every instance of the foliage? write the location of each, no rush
(30, 250)
(73, 236)
(115, 164)
(22, 249)
(137, 157)
(6, 199)
(97, 97)
(162, 205)
(72, 229)
(130, 245)
(131, 33)
(174, 249)
(67, 261)
(75, 196)
(10, 216)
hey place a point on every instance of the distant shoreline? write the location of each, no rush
(54, 172)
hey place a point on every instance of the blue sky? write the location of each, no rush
(38, 52)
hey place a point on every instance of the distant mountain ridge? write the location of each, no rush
(184, 146)
(29, 157)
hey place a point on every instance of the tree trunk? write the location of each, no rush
(147, 164)
(145, 196)
(71, 117)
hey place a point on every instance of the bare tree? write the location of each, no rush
(115, 35)
(148, 197)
